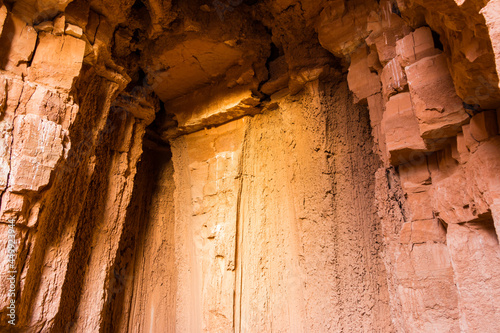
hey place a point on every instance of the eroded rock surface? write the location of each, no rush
(250, 166)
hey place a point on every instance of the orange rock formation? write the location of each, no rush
(250, 166)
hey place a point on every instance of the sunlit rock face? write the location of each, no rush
(249, 166)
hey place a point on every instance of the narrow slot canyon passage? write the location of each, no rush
(249, 166)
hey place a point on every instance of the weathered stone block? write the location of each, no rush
(386, 28)
(343, 32)
(5, 146)
(57, 61)
(362, 82)
(12, 206)
(484, 126)
(393, 79)
(401, 129)
(415, 46)
(73, 30)
(77, 13)
(376, 109)
(423, 231)
(469, 140)
(37, 147)
(416, 173)
(59, 25)
(491, 13)
(462, 153)
(18, 42)
(439, 110)
(420, 204)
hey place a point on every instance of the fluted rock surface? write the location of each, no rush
(249, 166)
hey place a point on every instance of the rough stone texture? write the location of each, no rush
(439, 111)
(490, 13)
(225, 234)
(36, 149)
(57, 71)
(19, 41)
(250, 166)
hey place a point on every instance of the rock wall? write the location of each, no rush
(444, 229)
(255, 166)
(268, 227)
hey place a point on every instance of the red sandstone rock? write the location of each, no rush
(491, 14)
(416, 46)
(266, 216)
(386, 29)
(393, 79)
(21, 39)
(362, 82)
(401, 129)
(60, 68)
(484, 126)
(423, 231)
(342, 29)
(439, 111)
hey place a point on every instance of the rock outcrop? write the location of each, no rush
(250, 166)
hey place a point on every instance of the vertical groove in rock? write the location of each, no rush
(238, 252)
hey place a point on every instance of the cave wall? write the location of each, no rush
(251, 166)
(268, 227)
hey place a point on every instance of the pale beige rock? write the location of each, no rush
(46, 26)
(59, 25)
(57, 61)
(73, 30)
(3, 95)
(12, 207)
(36, 149)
